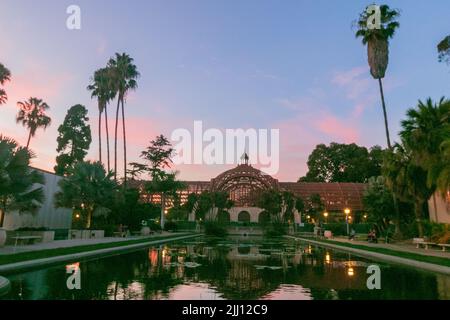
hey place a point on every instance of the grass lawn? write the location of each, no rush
(407, 255)
(33, 255)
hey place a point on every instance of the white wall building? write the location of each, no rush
(47, 216)
(439, 208)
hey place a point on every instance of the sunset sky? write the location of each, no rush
(290, 65)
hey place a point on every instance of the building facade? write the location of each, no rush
(439, 207)
(47, 216)
(244, 182)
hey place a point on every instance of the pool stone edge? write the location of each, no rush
(5, 285)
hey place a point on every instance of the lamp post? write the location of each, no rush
(325, 214)
(347, 212)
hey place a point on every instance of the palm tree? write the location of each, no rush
(377, 41)
(124, 74)
(444, 49)
(17, 179)
(5, 75)
(426, 132)
(407, 180)
(32, 115)
(89, 188)
(101, 88)
(166, 185)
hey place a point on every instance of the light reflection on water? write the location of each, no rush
(234, 268)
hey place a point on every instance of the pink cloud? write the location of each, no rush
(347, 77)
(359, 88)
(338, 129)
(35, 80)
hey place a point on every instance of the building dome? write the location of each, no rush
(243, 183)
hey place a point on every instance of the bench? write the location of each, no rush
(26, 239)
(122, 234)
(444, 246)
(421, 242)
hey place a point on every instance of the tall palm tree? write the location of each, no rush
(5, 75)
(407, 180)
(101, 88)
(377, 41)
(444, 50)
(426, 131)
(32, 116)
(124, 74)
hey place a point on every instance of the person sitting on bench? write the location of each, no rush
(372, 236)
(352, 234)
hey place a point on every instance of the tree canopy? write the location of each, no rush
(73, 140)
(89, 189)
(19, 184)
(343, 163)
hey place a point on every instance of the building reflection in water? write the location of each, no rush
(234, 268)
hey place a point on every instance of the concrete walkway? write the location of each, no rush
(405, 246)
(11, 249)
(375, 255)
(24, 265)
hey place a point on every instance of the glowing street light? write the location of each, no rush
(325, 214)
(347, 212)
(350, 272)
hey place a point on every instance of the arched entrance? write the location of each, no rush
(224, 217)
(244, 216)
(264, 217)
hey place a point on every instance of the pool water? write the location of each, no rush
(231, 268)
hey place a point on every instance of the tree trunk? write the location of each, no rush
(29, 138)
(100, 135)
(124, 147)
(398, 232)
(2, 217)
(107, 137)
(89, 219)
(418, 213)
(163, 208)
(115, 138)
(385, 115)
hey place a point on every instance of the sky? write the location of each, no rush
(289, 65)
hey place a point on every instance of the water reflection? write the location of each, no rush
(235, 268)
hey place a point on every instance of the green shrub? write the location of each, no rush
(170, 226)
(338, 229)
(153, 225)
(186, 225)
(32, 229)
(437, 232)
(275, 229)
(307, 227)
(361, 227)
(215, 229)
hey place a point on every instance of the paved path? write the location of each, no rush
(72, 243)
(378, 256)
(23, 265)
(401, 246)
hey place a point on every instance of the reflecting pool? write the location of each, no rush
(232, 268)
